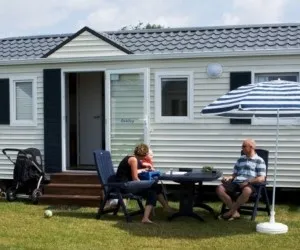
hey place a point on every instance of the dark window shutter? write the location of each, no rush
(4, 102)
(52, 120)
(238, 79)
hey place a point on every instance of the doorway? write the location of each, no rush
(85, 118)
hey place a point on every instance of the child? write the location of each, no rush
(147, 162)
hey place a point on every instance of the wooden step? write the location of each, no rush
(75, 178)
(73, 189)
(72, 200)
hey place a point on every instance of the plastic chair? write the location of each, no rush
(260, 194)
(112, 189)
(117, 190)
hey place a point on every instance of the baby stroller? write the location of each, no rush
(28, 174)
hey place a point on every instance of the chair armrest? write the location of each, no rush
(139, 185)
(115, 185)
(259, 184)
(131, 185)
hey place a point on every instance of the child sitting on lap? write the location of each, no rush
(147, 162)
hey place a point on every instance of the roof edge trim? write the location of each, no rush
(141, 57)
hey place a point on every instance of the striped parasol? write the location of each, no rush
(264, 99)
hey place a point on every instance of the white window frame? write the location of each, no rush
(190, 97)
(13, 114)
(273, 121)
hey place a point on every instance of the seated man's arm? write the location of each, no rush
(258, 179)
(228, 178)
(260, 173)
(234, 174)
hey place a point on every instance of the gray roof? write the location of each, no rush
(28, 47)
(172, 40)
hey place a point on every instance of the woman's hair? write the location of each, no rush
(141, 150)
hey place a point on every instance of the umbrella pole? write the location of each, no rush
(272, 227)
(272, 217)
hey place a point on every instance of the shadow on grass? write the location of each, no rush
(76, 214)
(182, 227)
(186, 227)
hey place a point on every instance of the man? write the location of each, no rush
(249, 169)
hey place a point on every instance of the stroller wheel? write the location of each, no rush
(11, 194)
(36, 194)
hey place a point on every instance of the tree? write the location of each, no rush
(142, 26)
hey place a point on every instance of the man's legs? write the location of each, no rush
(243, 198)
(222, 194)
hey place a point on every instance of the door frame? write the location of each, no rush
(108, 74)
(65, 71)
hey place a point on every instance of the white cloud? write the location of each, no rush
(169, 21)
(115, 15)
(230, 19)
(20, 17)
(255, 11)
(101, 19)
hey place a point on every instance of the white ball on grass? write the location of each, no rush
(48, 213)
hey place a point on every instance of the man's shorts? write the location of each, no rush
(232, 188)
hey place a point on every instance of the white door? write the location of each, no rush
(89, 116)
(127, 95)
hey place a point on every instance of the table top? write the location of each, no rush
(196, 176)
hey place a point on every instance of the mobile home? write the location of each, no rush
(72, 93)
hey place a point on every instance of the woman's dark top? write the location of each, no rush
(124, 169)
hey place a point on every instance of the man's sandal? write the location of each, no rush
(228, 217)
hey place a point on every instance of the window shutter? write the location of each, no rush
(4, 102)
(238, 79)
(52, 120)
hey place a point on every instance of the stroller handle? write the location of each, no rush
(5, 150)
(24, 154)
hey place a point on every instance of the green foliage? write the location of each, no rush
(141, 26)
(23, 226)
(207, 168)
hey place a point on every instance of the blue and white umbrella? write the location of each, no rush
(265, 99)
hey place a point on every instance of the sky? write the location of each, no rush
(42, 17)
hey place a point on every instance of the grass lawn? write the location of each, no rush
(23, 226)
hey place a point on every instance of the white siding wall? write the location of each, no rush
(86, 45)
(203, 141)
(22, 137)
(213, 140)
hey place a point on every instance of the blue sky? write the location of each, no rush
(36, 17)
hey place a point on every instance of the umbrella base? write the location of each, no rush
(271, 228)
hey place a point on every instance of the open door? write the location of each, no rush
(89, 117)
(85, 118)
(127, 112)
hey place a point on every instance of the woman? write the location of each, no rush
(128, 171)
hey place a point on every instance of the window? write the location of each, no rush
(173, 97)
(23, 102)
(270, 77)
(275, 76)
